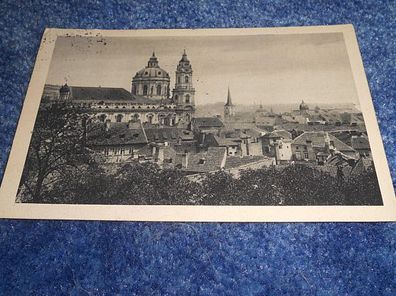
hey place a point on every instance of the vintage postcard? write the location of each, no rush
(271, 124)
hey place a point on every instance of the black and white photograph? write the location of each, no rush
(204, 120)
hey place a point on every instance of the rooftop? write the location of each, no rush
(207, 122)
(117, 133)
(318, 139)
(208, 161)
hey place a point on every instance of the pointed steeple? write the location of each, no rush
(229, 101)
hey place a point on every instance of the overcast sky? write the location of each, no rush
(267, 69)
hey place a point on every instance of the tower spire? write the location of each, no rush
(229, 101)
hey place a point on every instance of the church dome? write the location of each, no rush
(152, 70)
(152, 81)
(149, 72)
(303, 106)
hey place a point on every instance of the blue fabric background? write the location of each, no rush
(112, 258)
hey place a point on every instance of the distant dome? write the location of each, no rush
(64, 89)
(303, 106)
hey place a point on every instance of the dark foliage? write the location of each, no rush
(57, 146)
(148, 184)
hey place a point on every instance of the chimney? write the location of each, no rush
(107, 124)
(327, 142)
(160, 154)
(185, 160)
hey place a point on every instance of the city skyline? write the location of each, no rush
(262, 69)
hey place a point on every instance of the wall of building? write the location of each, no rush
(283, 151)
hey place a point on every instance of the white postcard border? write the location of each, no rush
(10, 209)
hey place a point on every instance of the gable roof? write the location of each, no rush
(360, 142)
(201, 122)
(207, 161)
(226, 142)
(265, 120)
(278, 134)
(116, 94)
(82, 93)
(118, 133)
(318, 140)
(168, 134)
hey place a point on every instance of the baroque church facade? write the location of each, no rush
(150, 100)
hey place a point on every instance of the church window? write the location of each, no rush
(152, 90)
(158, 89)
(145, 90)
(159, 73)
(134, 89)
(179, 79)
(122, 151)
(176, 98)
(119, 118)
(146, 73)
(186, 79)
(106, 151)
(187, 99)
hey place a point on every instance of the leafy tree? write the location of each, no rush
(57, 143)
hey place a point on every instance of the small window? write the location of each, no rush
(159, 73)
(158, 90)
(145, 90)
(146, 73)
(119, 118)
(186, 79)
(187, 99)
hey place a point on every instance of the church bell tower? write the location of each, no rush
(183, 93)
(229, 108)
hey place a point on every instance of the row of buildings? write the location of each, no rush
(151, 123)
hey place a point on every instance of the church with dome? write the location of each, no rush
(150, 100)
